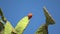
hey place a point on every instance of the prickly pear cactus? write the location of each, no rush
(22, 24)
(20, 27)
(8, 28)
(49, 20)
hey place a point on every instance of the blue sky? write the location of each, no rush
(14, 10)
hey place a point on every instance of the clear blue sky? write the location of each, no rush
(14, 10)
